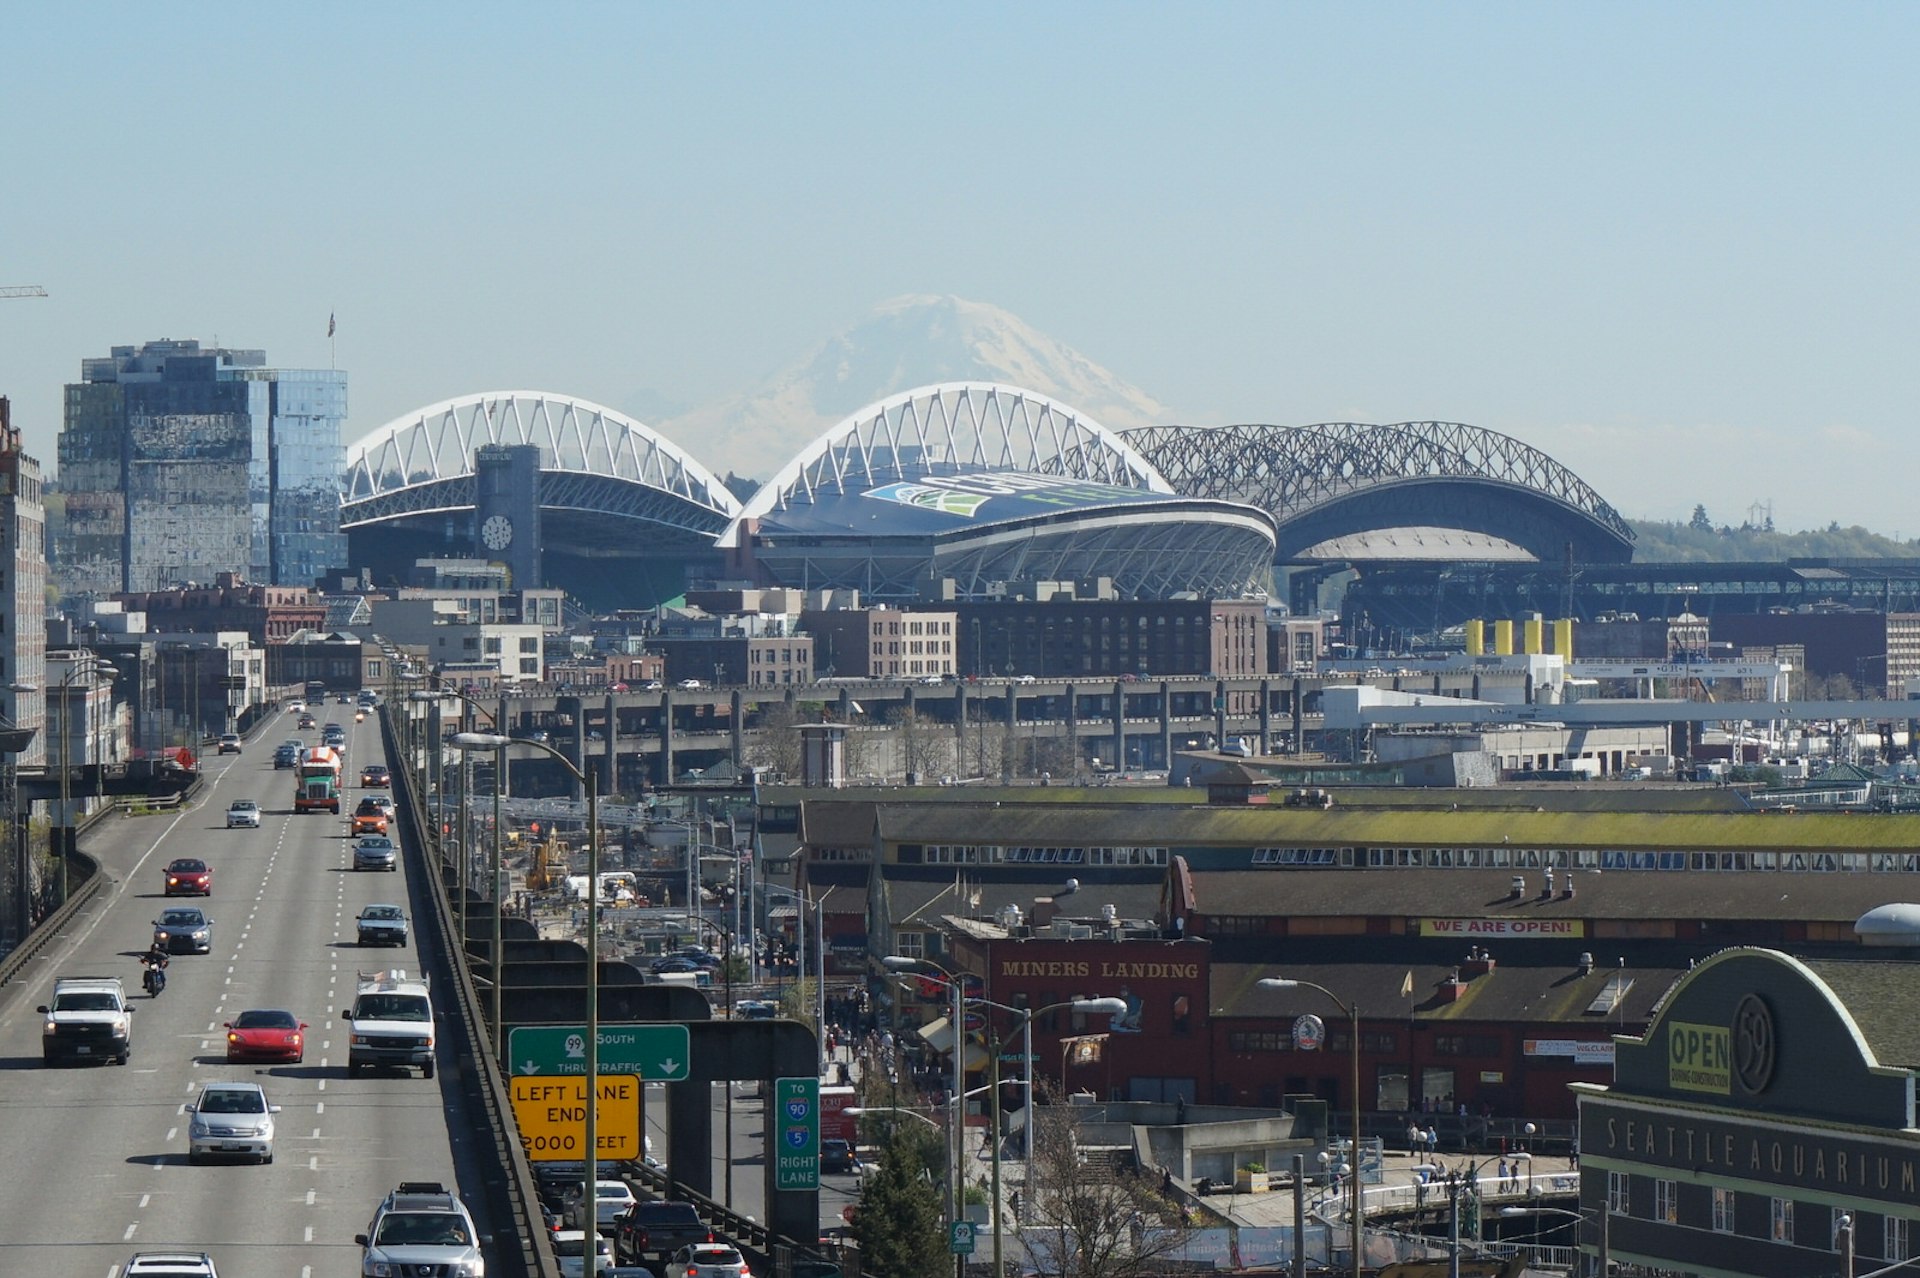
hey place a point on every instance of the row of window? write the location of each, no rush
(785, 656)
(1815, 861)
(975, 854)
(1893, 1239)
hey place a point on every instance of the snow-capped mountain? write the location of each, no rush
(906, 342)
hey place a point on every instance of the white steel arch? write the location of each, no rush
(420, 453)
(953, 428)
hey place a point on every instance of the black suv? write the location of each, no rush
(657, 1228)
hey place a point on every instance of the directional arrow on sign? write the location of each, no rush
(656, 1053)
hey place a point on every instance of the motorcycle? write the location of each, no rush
(155, 978)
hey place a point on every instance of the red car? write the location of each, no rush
(189, 876)
(266, 1035)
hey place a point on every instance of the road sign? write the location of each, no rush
(960, 1238)
(551, 1113)
(796, 1116)
(657, 1053)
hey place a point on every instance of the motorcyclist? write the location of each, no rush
(155, 963)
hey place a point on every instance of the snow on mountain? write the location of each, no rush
(907, 342)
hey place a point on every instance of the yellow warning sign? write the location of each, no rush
(551, 1113)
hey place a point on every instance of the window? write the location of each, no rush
(1896, 1240)
(1617, 1200)
(1782, 1229)
(1723, 1211)
(1665, 1202)
(910, 944)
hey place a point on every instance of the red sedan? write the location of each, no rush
(189, 876)
(266, 1035)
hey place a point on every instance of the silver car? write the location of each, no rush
(243, 812)
(183, 929)
(382, 925)
(231, 1120)
(375, 852)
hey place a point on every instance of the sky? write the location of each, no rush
(1672, 246)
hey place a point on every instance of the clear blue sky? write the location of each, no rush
(1674, 246)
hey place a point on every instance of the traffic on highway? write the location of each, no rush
(226, 1122)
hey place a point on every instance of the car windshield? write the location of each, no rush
(378, 842)
(384, 913)
(578, 1246)
(421, 1229)
(265, 1020)
(190, 867)
(369, 805)
(244, 805)
(233, 1100)
(715, 1256)
(89, 1001)
(181, 918)
(392, 1007)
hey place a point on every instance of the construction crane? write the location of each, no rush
(22, 290)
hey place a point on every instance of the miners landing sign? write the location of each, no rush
(1506, 929)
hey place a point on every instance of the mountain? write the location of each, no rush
(905, 343)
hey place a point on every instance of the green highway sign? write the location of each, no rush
(656, 1053)
(960, 1238)
(796, 1119)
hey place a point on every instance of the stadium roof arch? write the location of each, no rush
(1410, 490)
(984, 483)
(605, 478)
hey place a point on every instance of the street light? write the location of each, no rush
(819, 961)
(903, 963)
(499, 904)
(1353, 1041)
(589, 780)
(1083, 1006)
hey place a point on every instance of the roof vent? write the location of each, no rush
(1586, 963)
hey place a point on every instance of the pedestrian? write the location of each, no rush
(1503, 1177)
(1433, 1140)
(1416, 1140)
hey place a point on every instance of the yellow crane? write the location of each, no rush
(22, 290)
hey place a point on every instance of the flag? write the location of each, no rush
(1406, 986)
(329, 323)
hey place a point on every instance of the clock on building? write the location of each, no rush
(497, 532)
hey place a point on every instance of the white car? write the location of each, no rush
(708, 1260)
(1024, 679)
(690, 684)
(570, 1247)
(232, 1119)
(170, 1264)
(614, 1197)
(243, 812)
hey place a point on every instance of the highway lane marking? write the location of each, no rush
(321, 1108)
(313, 1164)
(147, 1198)
(128, 1236)
(175, 1131)
(309, 1237)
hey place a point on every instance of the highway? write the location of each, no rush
(100, 1169)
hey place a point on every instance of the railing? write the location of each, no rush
(146, 805)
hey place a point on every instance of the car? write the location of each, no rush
(375, 852)
(754, 1009)
(837, 1156)
(1024, 679)
(88, 1020)
(421, 1228)
(657, 1227)
(933, 681)
(336, 738)
(386, 805)
(570, 1248)
(296, 706)
(652, 685)
(376, 775)
(243, 812)
(229, 743)
(231, 1119)
(690, 684)
(183, 928)
(307, 721)
(369, 817)
(189, 876)
(382, 925)
(612, 1200)
(169, 1264)
(266, 1034)
(286, 756)
(343, 700)
(708, 1260)
(673, 963)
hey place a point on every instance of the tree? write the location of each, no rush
(775, 744)
(900, 1222)
(1083, 1225)
(1700, 522)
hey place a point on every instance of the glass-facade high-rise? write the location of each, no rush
(179, 464)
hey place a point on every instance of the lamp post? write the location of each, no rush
(819, 962)
(1353, 1041)
(589, 780)
(493, 862)
(1085, 1006)
(1580, 1218)
(956, 1200)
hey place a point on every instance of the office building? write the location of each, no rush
(180, 463)
(23, 592)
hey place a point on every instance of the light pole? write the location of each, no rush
(820, 962)
(1084, 1006)
(1580, 1218)
(589, 780)
(495, 959)
(956, 1200)
(1353, 1041)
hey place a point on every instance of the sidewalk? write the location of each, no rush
(1401, 1189)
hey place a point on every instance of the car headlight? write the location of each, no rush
(197, 1127)
(52, 1028)
(377, 1269)
(201, 935)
